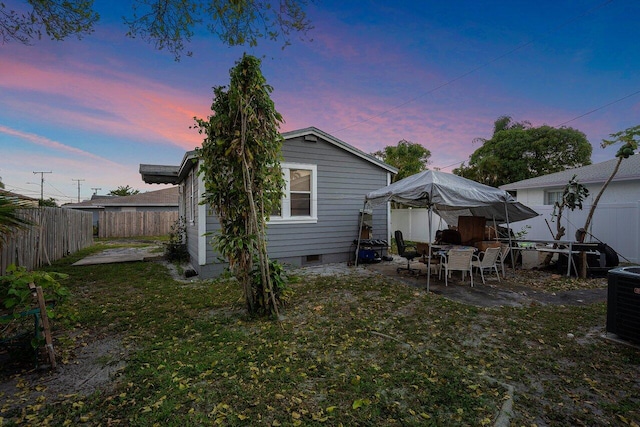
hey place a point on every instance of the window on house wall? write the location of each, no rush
(551, 197)
(299, 203)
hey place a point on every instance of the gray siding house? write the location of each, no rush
(326, 181)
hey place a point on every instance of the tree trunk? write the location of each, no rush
(583, 255)
(559, 234)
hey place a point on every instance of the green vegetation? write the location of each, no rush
(10, 218)
(350, 350)
(408, 157)
(124, 190)
(240, 165)
(167, 24)
(175, 249)
(518, 151)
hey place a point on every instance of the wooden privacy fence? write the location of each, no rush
(134, 224)
(54, 234)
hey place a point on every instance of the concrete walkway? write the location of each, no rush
(118, 255)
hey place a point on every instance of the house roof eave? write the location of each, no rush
(596, 173)
(159, 174)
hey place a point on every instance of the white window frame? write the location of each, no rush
(557, 197)
(285, 217)
(193, 198)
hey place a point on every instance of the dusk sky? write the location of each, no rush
(431, 72)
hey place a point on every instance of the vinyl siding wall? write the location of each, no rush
(190, 214)
(343, 179)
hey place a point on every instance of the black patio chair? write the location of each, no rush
(407, 252)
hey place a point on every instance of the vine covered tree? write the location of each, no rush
(167, 24)
(519, 151)
(408, 157)
(240, 164)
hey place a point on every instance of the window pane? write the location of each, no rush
(300, 180)
(552, 197)
(300, 204)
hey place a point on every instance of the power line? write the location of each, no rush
(60, 193)
(477, 68)
(42, 184)
(599, 108)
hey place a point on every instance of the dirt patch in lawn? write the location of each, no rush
(93, 366)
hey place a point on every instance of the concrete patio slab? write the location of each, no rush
(512, 291)
(120, 255)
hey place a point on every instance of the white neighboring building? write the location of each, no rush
(616, 221)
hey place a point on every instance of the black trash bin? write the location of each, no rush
(623, 303)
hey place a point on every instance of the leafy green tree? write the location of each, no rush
(243, 178)
(167, 24)
(50, 202)
(58, 19)
(408, 157)
(123, 190)
(518, 151)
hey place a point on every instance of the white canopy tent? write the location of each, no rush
(451, 196)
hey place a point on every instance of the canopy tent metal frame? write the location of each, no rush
(451, 196)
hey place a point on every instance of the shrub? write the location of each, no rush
(176, 247)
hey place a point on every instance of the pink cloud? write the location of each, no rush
(120, 104)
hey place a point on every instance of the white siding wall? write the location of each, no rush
(616, 224)
(616, 192)
(414, 224)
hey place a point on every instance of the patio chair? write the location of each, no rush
(406, 252)
(457, 260)
(488, 260)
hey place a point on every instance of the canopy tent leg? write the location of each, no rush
(430, 244)
(506, 215)
(430, 222)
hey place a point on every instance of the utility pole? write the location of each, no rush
(78, 187)
(42, 185)
(95, 190)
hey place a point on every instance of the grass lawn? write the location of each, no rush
(350, 351)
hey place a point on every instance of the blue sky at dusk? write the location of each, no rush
(431, 72)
